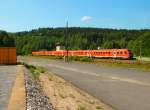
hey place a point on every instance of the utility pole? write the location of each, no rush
(140, 49)
(66, 43)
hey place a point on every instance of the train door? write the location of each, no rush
(90, 53)
(114, 54)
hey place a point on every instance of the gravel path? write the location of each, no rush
(7, 79)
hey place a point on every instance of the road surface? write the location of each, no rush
(7, 79)
(123, 89)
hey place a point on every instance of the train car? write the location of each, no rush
(113, 53)
(80, 53)
(103, 53)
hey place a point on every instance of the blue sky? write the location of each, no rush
(19, 15)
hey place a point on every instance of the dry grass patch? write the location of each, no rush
(65, 96)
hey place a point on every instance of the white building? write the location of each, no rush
(59, 47)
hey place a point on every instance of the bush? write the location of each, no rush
(77, 58)
(34, 71)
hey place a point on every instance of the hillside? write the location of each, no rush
(83, 38)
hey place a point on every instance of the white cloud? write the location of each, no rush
(86, 18)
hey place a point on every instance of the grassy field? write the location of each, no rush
(132, 64)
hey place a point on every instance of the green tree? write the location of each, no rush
(6, 40)
(142, 45)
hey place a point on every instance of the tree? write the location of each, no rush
(6, 40)
(142, 44)
(110, 45)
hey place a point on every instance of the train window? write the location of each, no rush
(117, 52)
(120, 52)
(125, 52)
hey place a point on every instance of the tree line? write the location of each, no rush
(82, 38)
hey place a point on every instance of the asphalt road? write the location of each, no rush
(7, 79)
(123, 89)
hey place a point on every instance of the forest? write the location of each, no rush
(78, 38)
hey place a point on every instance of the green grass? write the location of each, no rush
(35, 71)
(140, 65)
(70, 58)
(50, 57)
(82, 59)
(99, 108)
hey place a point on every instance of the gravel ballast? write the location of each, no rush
(36, 100)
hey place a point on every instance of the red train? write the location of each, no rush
(103, 53)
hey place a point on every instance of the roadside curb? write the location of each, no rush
(18, 96)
